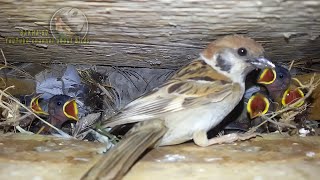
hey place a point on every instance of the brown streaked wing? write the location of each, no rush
(183, 91)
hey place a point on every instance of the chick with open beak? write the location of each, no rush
(257, 105)
(276, 80)
(61, 109)
(38, 105)
(281, 88)
(292, 95)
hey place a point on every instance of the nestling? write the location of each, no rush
(62, 108)
(193, 101)
(276, 80)
(281, 87)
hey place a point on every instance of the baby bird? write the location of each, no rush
(275, 80)
(61, 108)
(280, 86)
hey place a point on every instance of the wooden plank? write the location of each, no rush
(163, 33)
(271, 157)
(46, 157)
(21, 86)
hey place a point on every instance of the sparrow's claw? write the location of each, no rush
(201, 139)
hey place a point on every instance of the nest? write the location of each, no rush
(16, 117)
(285, 118)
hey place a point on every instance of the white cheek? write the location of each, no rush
(237, 73)
(211, 62)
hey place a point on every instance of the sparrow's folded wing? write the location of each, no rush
(182, 92)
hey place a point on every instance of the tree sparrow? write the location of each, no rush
(187, 106)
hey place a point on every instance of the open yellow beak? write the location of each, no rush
(257, 105)
(290, 96)
(35, 107)
(267, 76)
(70, 109)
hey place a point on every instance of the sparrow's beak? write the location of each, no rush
(262, 63)
(70, 109)
(267, 76)
(290, 96)
(257, 105)
(35, 107)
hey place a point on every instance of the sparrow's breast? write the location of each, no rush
(181, 125)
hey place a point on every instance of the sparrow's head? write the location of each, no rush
(62, 108)
(276, 80)
(235, 56)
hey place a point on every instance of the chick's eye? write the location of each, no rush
(59, 103)
(281, 76)
(242, 51)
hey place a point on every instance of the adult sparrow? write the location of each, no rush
(190, 103)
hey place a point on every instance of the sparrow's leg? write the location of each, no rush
(200, 138)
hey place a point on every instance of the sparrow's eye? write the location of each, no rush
(242, 52)
(59, 103)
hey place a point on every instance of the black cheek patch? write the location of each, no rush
(223, 64)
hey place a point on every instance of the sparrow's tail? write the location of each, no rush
(120, 158)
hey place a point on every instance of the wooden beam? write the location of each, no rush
(271, 157)
(163, 33)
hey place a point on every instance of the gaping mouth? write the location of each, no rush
(257, 105)
(70, 109)
(267, 76)
(35, 107)
(291, 96)
(262, 63)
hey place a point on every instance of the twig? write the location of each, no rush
(291, 64)
(311, 86)
(6, 65)
(281, 124)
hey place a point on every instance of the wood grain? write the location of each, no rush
(272, 157)
(163, 33)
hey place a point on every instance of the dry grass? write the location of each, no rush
(12, 108)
